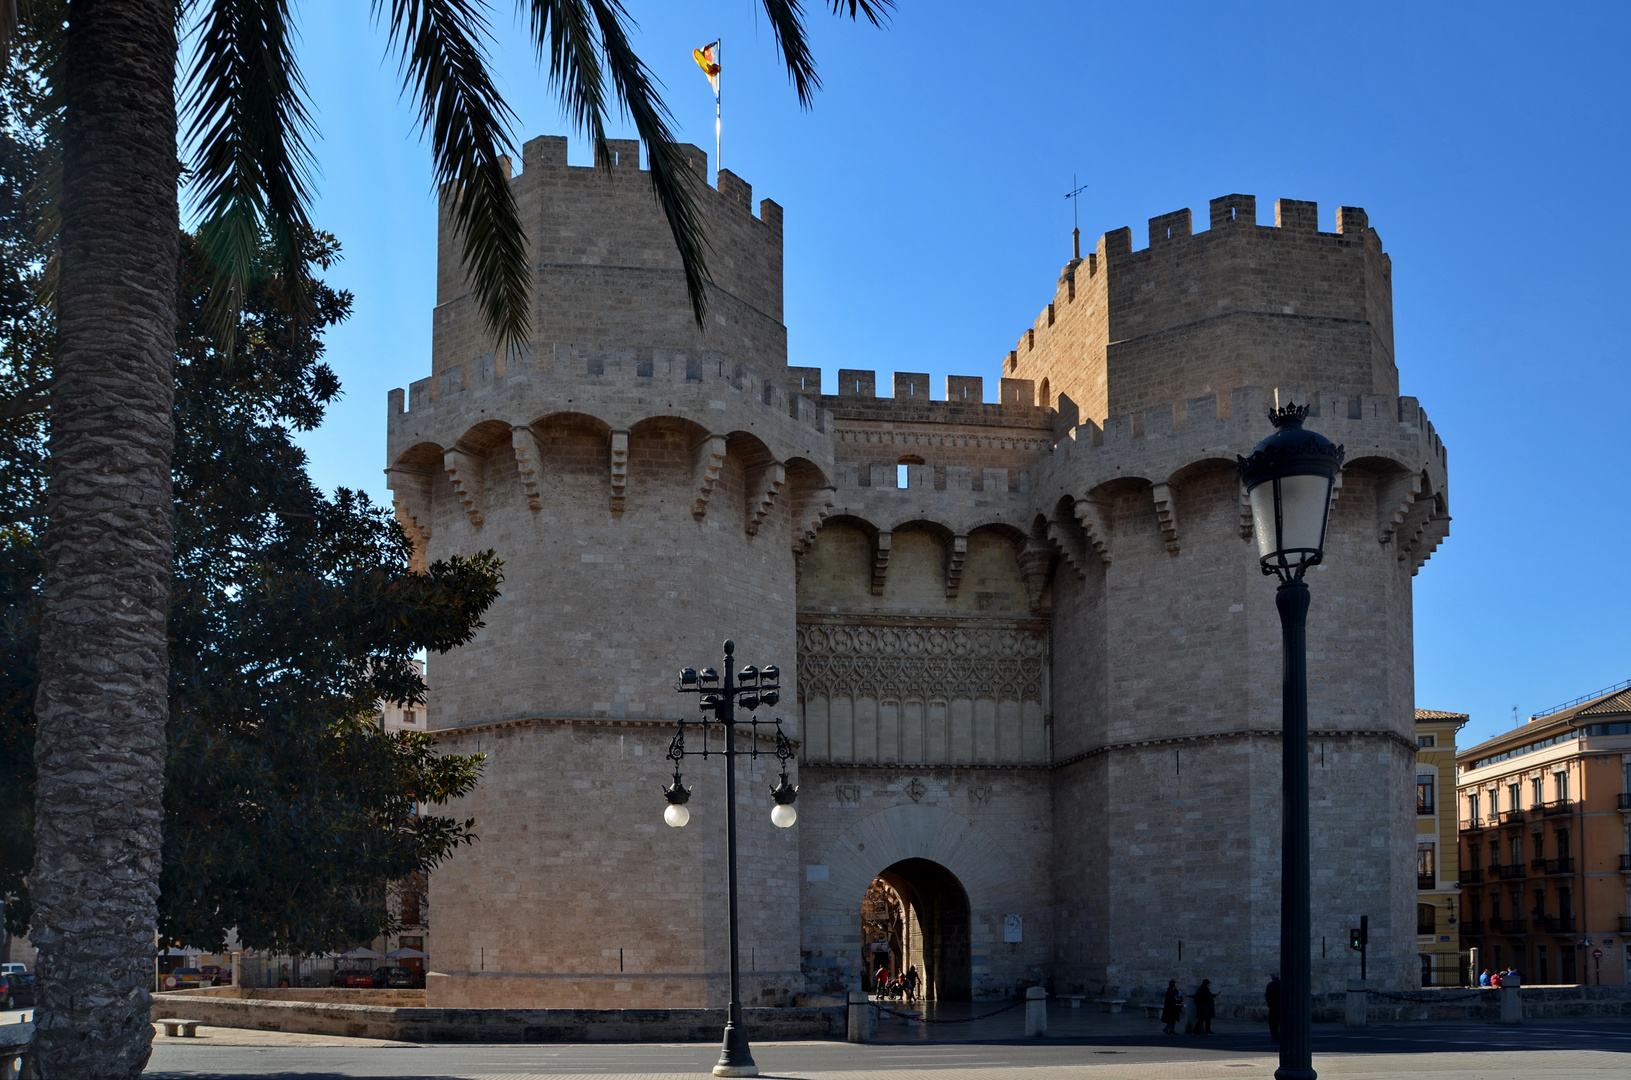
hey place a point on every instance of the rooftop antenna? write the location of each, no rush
(1076, 217)
(1515, 722)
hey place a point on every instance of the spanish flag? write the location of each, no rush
(707, 59)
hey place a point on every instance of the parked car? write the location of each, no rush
(186, 978)
(397, 978)
(16, 989)
(9, 969)
(358, 980)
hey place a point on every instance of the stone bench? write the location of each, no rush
(1074, 999)
(185, 1029)
(1153, 1012)
(1111, 1005)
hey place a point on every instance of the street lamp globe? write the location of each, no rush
(1289, 478)
(677, 795)
(784, 814)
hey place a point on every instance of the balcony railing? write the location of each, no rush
(1473, 927)
(1511, 870)
(1512, 817)
(1426, 881)
(1475, 876)
(1560, 866)
(1537, 864)
(1556, 807)
(1625, 864)
(1625, 924)
(1508, 926)
(1471, 824)
(1625, 800)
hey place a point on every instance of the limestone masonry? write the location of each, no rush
(1037, 688)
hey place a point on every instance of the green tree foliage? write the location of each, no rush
(287, 810)
(292, 615)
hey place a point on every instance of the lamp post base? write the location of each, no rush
(735, 1059)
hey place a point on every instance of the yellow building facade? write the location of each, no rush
(1438, 864)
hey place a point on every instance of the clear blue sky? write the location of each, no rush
(926, 224)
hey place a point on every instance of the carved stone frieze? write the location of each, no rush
(930, 659)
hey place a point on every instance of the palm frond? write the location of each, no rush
(673, 181)
(787, 20)
(444, 63)
(563, 32)
(248, 121)
(876, 11)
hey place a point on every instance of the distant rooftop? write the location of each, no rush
(1439, 714)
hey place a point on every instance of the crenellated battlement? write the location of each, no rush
(621, 282)
(1242, 303)
(963, 401)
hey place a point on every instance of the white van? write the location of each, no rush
(13, 969)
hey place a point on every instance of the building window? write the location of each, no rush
(1539, 794)
(1561, 786)
(1426, 740)
(1540, 904)
(1472, 808)
(1475, 908)
(1562, 836)
(1494, 803)
(1426, 919)
(1426, 870)
(1494, 854)
(1513, 798)
(1426, 968)
(1541, 972)
(1475, 856)
(1496, 949)
(1424, 793)
(407, 717)
(1540, 847)
(1495, 907)
(1565, 959)
(1517, 851)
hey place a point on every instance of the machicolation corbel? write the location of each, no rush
(706, 458)
(880, 561)
(769, 484)
(528, 464)
(1166, 514)
(955, 558)
(464, 471)
(620, 469)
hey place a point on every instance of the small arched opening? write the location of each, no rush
(915, 915)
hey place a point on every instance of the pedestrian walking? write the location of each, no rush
(1172, 1007)
(1271, 997)
(910, 982)
(1205, 1008)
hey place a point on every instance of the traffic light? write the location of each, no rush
(1356, 941)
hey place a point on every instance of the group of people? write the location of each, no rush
(1509, 977)
(1206, 1009)
(887, 985)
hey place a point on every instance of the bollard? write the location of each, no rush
(1353, 1014)
(1511, 1005)
(1036, 1011)
(860, 1017)
(237, 967)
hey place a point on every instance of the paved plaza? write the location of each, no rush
(1080, 1046)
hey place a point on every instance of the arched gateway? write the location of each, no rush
(931, 931)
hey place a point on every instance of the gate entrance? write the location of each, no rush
(915, 914)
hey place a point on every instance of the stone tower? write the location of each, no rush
(1037, 669)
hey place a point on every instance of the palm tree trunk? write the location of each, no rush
(101, 706)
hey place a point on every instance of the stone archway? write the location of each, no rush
(936, 935)
(959, 879)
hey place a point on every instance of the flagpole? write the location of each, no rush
(719, 56)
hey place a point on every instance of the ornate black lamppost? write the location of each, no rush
(750, 688)
(1289, 478)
